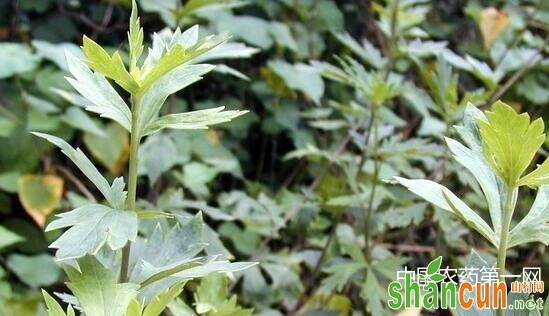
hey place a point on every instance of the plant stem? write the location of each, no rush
(132, 183)
(369, 209)
(509, 207)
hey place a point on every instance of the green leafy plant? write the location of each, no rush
(111, 268)
(499, 147)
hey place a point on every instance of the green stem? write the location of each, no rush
(369, 209)
(509, 208)
(132, 183)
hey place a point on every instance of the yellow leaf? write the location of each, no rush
(492, 23)
(39, 195)
(214, 136)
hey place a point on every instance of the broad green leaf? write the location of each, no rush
(8, 238)
(110, 66)
(196, 176)
(79, 119)
(156, 156)
(510, 140)
(114, 194)
(39, 195)
(112, 149)
(25, 268)
(200, 119)
(97, 289)
(173, 81)
(16, 58)
(535, 225)
(135, 40)
(53, 307)
(56, 52)
(300, 77)
(440, 196)
(91, 226)
(339, 275)
(102, 97)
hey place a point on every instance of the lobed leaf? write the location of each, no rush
(97, 289)
(441, 197)
(91, 226)
(109, 66)
(173, 81)
(510, 140)
(114, 194)
(102, 97)
(135, 40)
(200, 119)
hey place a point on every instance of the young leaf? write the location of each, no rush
(200, 119)
(97, 290)
(110, 66)
(442, 197)
(91, 226)
(102, 97)
(135, 41)
(511, 141)
(114, 194)
(173, 81)
(174, 57)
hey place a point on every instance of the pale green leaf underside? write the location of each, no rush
(97, 289)
(114, 194)
(535, 225)
(173, 81)
(98, 91)
(442, 197)
(200, 119)
(91, 226)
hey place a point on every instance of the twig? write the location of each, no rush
(79, 185)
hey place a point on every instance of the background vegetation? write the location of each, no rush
(343, 95)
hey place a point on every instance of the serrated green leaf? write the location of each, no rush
(102, 97)
(538, 177)
(371, 292)
(110, 66)
(135, 40)
(114, 194)
(200, 119)
(97, 289)
(442, 197)
(161, 301)
(175, 56)
(510, 140)
(173, 81)
(91, 226)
